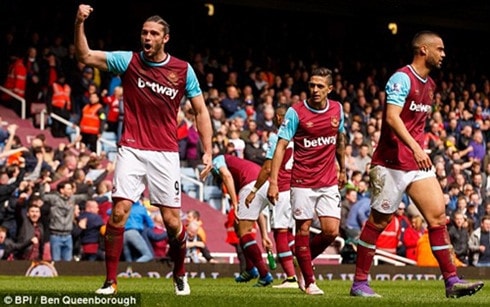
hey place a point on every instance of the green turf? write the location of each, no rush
(225, 292)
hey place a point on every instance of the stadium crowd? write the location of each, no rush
(242, 94)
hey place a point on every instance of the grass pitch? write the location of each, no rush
(226, 292)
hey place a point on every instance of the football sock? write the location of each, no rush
(284, 252)
(319, 243)
(441, 248)
(291, 241)
(113, 240)
(178, 251)
(366, 248)
(252, 252)
(303, 255)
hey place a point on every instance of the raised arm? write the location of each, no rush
(93, 58)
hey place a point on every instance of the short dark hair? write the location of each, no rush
(323, 72)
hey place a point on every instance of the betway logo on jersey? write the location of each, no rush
(320, 141)
(158, 88)
(419, 107)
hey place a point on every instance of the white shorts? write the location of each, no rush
(388, 186)
(306, 202)
(281, 213)
(259, 204)
(137, 169)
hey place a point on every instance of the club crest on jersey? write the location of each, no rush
(334, 122)
(431, 94)
(173, 78)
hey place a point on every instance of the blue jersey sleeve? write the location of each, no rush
(218, 162)
(118, 61)
(341, 126)
(289, 125)
(397, 89)
(272, 146)
(192, 87)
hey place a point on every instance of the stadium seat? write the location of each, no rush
(109, 147)
(189, 187)
(213, 196)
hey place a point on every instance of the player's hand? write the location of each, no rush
(249, 199)
(237, 220)
(423, 160)
(273, 193)
(207, 162)
(84, 11)
(342, 179)
(267, 243)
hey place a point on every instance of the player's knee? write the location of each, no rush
(330, 235)
(119, 215)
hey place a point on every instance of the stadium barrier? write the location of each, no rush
(163, 269)
(16, 97)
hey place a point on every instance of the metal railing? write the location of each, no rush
(197, 182)
(101, 141)
(16, 97)
(391, 258)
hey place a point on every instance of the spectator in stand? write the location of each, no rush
(479, 244)
(232, 102)
(91, 222)
(363, 159)
(7, 245)
(136, 248)
(238, 143)
(254, 150)
(459, 236)
(472, 210)
(157, 236)
(62, 211)
(16, 78)
(114, 105)
(36, 200)
(350, 162)
(29, 243)
(34, 90)
(76, 233)
(218, 118)
(478, 147)
(59, 103)
(357, 141)
(92, 122)
(357, 217)
(192, 152)
(265, 119)
(390, 237)
(463, 142)
(81, 78)
(401, 216)
(194, 215)
(412, 235)
(196, 247)
(14, 176)
(348, 201)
